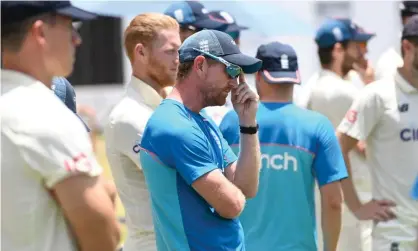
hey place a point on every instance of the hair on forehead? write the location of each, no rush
(144, 28)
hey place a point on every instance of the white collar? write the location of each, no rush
(404, 85)
(148, 94)
(11, 79)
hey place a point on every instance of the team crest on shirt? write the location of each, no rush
(351, 116)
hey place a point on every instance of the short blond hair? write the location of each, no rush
(144, 29)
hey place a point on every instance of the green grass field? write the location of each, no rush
(101, 156)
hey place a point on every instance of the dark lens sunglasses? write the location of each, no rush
(232, 69)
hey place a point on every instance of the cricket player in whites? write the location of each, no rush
(385, 116)
(391, 59)
(152, 41)
(54, 196)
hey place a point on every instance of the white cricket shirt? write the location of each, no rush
(385, 114)
(123, 132)
(42, 143)
(388, 63)
(332, 96)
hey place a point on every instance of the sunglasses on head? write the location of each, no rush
(232, 69)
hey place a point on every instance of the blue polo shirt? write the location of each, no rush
(179, 146)
(298, 146)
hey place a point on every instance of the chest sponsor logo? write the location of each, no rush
(136, 147)
(279, 162)
(409, 134)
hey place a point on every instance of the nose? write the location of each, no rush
(76, 38)
(177, 60)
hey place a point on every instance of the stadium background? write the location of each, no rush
(102, 69)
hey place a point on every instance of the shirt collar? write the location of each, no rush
(148, 94)
(326, 72)
(11, 79)
(404, 85)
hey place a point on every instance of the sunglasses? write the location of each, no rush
(362, 45)
(232, 69)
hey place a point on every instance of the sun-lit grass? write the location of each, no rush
(101, 157)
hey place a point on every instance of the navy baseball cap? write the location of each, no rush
(362, 32)
(65, 91)
(280, 63)
(408, 8)
(15, 11)
(227, 18)
(333, 31)
(219, 44)
(410, 29)
(193, 13)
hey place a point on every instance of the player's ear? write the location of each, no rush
(200, 65)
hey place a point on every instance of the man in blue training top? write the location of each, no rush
(197, 186)
(297, 147)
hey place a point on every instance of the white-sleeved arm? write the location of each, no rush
(363, 115)
(58, 148)
(124, 131)
(125, 138)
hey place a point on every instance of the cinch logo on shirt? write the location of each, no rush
(409, 134)
(279, 161)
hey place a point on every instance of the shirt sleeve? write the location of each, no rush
(189, 154)
(125, 138)
(228, 154)
(363, 114)
(329, 163)
(229, 128)
(60, 149)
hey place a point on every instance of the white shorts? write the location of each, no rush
(386, 233)
(143, 243)
(355, 235)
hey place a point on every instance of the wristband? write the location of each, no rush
(248, 129)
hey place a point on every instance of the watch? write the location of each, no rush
(248, 129)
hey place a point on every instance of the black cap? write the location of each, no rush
(410, 29)
(16, 11)
(408, 8)
(280, 63)
(193, 13)
(219, 44)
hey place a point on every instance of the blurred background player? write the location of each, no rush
(151, 42)
(384, 115)
(292, 150)
(362, 72)
(338, 50)
(233, 28)
(391, 59)
(192, 17)
(57, 198)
